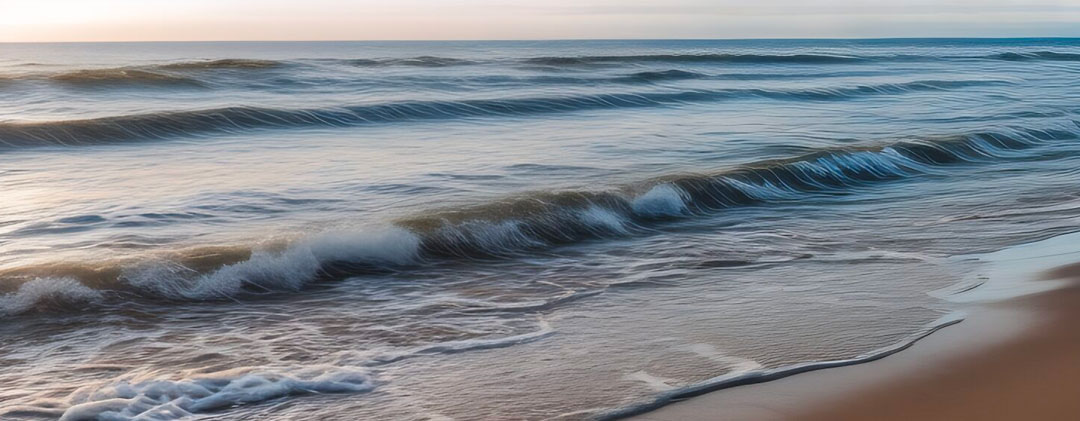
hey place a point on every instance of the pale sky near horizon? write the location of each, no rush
(202, 20)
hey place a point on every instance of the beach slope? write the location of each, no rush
(1014, 359)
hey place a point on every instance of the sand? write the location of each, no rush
(1017, 359)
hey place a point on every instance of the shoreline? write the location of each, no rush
(1011, 358)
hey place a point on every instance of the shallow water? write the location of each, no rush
(498, 230)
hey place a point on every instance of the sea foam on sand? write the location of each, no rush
(173, 399)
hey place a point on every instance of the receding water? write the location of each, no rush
(498, 230)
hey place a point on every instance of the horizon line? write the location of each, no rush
(557, 39)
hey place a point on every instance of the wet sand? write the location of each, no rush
(1017, 359)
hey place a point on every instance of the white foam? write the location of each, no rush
(454, 347)
(174, 399)
(661, 200)
(290, 269)
(36, 291)
(736, 364)
(659, 384)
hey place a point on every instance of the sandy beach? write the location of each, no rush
(1009, 360)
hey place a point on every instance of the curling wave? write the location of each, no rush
(507, 227)
(161, 125)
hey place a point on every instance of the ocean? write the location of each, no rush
(501, 230)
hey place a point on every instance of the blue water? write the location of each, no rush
(498, 230)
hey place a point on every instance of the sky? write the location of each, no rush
(213, 20)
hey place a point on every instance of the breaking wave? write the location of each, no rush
(47, 292)
(161, 125)
(508, 227)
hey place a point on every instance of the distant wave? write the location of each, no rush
(807, 58)
(644, 77)
(421, 61)
(154, 76)
(693, 58)
(184, 73)
(585, 60)
(1036, 56)
(503, 228)
(707, 58)
(229, 63)
(654, 76)
(122, 76)
(433, 61)
(163, 125)
(178, 72)
(168, 74)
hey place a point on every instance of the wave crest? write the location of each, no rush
(286, 270)
(519, 224)
(48, 293)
